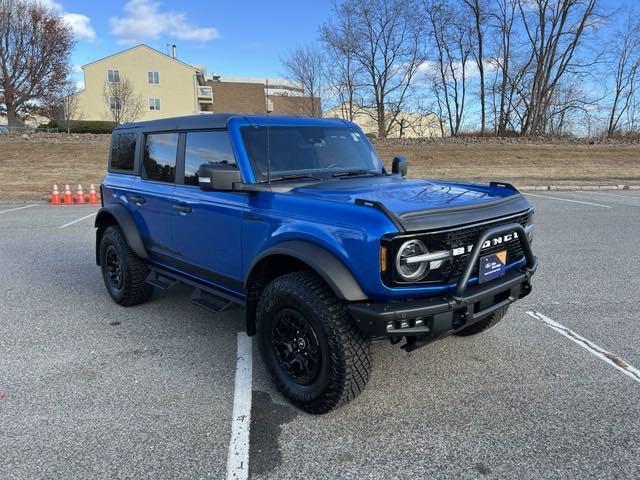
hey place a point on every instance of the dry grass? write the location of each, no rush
(29, 168)
(523, 164)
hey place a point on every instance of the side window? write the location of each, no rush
(159, 160)
(123, 151)
(206, 147)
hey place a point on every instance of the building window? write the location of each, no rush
(114, 103)
(153, 78)
(154, 104)
(113, 76)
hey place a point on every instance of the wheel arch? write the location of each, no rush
(296, 255)
(116, 214)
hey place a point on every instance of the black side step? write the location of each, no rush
(163, 282)
(209, 302)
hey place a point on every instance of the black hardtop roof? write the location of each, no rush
(220, 120)
(214, 120)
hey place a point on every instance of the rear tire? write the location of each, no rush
(317, 358)
(123, 272)
(484, 324)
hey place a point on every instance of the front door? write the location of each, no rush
(150, 197)
(207, 228)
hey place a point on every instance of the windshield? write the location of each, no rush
(308, 151)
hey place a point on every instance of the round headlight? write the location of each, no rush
(415, 270)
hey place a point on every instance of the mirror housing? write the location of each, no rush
(400, 165)
(218, 177)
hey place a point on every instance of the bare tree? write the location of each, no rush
(478, 10)
(344, 72)
(62, 105)
(305, 66)
(503, 20)
(554, 29)
(387, 42)
(123, 104)
(453, 48)
(35, 48)
(625, 68)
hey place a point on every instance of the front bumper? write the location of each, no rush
(425, 320)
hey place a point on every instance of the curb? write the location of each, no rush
(570, 188)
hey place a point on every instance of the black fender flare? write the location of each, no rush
(116, 213)
(323, 262)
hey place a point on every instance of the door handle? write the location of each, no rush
(181, 208)
(138, 200)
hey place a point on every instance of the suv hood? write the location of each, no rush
(421, 204)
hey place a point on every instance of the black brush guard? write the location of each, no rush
(425, 320)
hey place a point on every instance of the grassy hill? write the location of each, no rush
(30, 166)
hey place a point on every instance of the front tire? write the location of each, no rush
(484, 324)
(317, 358)
(123, 272)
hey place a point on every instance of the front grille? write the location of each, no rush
(452, 270)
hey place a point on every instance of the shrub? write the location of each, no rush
(372, 136)
(85, 126)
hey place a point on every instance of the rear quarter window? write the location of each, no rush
(123, 151)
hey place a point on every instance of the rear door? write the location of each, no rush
(151, 194)
(207, 229)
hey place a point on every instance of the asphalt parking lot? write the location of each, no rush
(89, 389)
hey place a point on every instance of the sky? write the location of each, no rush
(233, 38)
(245, 38)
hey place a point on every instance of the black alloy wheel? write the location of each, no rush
(296, 346)
(114, 268)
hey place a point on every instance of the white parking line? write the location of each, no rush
(613, 195)
(238, 457)
(76, 221)
(19, 208)
(608, 357)
(567, 200)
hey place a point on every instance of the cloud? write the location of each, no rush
(144, 20)
(80, 24)
(428, 69)
(50, 4)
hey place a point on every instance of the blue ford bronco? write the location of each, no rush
(298, 221)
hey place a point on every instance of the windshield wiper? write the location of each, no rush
(353, 173)
(295, 176)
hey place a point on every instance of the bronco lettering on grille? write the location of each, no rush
(489, 243)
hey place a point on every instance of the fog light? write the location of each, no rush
(404, 324)
(390, 326)
(419, 321)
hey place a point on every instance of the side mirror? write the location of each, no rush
(218, 177)
(400, 165)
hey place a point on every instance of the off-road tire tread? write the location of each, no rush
(349, 347)
(484, 324)
(136, 290)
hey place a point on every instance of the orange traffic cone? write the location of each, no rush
(55, 196)
(80, 195)
(92, 194)
(67, 198)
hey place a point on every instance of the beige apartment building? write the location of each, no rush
(169, 87)
(408, 125)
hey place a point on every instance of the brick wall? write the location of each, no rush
(239, 97)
